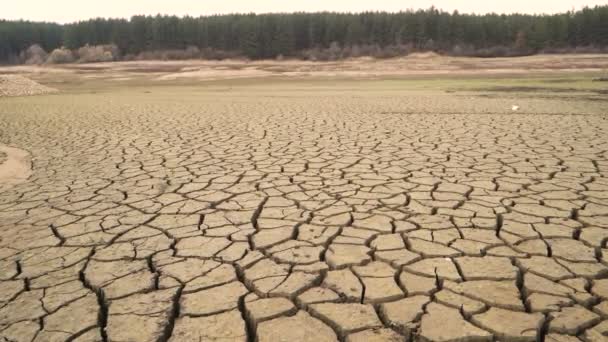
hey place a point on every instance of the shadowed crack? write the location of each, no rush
(101, 301)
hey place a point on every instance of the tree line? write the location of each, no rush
(299, 34)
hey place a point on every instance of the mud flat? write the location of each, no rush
(306, 210)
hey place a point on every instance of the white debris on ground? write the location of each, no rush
(15, 85)
(515, 108)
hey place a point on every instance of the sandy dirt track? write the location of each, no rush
(301, 213)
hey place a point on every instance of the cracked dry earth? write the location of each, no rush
(329, 218)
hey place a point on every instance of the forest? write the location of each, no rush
(324, 35)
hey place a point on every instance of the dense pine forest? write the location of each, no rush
(314, 35)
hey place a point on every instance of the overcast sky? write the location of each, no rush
(73, 10)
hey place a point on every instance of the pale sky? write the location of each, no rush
(73, 10)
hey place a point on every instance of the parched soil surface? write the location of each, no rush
(15, 166)
(326, 215)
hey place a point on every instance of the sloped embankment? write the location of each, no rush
(15, 85)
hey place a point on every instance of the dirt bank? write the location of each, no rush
(15, 85)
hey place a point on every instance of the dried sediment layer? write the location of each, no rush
(15, 85)
(320, 216)
(15, 166)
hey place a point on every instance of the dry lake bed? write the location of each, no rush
(465, 200)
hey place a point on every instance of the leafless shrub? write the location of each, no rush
(334, 52)
(311, 54)
(35, 54)
(61, 56)
(462, 50)
(192, 52)
(98, 53)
